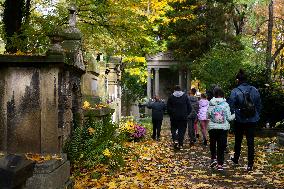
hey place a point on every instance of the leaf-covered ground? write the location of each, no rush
(154, 164)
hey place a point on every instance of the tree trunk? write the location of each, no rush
(239, 20)
(12, 19)
(16, 14)
(269, 39)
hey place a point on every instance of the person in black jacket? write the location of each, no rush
(179, 108)
(158, 108)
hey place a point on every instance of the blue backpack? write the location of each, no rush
(218, 113)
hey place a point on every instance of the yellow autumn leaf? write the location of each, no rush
(112, 185)
(227, 180)
(278, 182)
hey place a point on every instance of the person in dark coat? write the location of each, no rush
(158, 108)
(179, 108)
(192, 116)
(244, 124)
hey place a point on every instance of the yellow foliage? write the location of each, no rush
(86, 105)
(127, 127)
(107, 153)
(136, 59)
(91, 130)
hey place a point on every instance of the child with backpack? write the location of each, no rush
(202, 116)
(219, 114)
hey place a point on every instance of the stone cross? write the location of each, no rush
(72, 16)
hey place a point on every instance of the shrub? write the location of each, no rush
(280, 124)
(97, 142)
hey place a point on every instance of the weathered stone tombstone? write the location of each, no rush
(280, 139)
(40, 104)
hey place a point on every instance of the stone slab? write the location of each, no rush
(49, 166)
(14, 171)
(53, 174)
(267, 132)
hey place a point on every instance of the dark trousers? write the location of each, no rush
(178, 128)
(248, 130)
(191, 131)
(157, 124)
(218, 137)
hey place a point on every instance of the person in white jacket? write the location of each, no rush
(219, 115)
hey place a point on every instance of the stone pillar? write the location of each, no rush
(72, 45)
(180, 78)
(149, 84)
(157, 80)
(188, 80)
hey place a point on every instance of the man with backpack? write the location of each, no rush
(246, 103)
(192, 116)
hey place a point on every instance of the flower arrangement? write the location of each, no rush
(88, 106)
(139, 132)
(132, 129)
(127, 127)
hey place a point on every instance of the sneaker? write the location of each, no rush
(249, 168)
(234, 161)
(213, 163)
(175, 144)
(205, 142)
(220, 167)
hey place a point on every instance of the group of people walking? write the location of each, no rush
(185, 110)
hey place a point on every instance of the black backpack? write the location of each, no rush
(247, 107)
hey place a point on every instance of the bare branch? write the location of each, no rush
(276, 53)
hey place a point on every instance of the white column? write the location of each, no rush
(157, 80)
(149, 83)
(180, 78)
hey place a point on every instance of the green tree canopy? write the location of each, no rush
(195, 26)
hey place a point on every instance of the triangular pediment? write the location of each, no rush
(161, 56)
